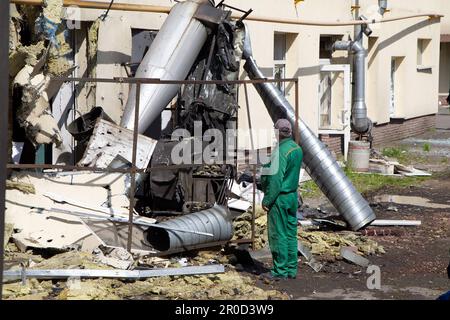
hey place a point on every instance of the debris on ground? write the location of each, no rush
(9, 229)
(26, 188)
(229, 285)
(243, 227)
(328, 244)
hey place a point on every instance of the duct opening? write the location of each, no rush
(158, 238)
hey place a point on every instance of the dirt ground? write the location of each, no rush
(414, 265)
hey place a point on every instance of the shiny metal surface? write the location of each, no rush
(216, 221)
(170, 57)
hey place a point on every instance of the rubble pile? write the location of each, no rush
(243, 227)
(37, 52)
(230, 285)
(328, 244)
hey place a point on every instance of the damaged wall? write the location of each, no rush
(38, 50)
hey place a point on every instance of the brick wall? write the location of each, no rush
(395, 130)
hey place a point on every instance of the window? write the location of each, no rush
(279, 57)
(325, 99)
(326, 45)
(423, 58)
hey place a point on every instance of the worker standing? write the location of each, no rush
(281, 202)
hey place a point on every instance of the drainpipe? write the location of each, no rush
(361, 124)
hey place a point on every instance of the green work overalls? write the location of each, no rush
(280, 196)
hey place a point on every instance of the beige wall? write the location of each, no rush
(418, 91)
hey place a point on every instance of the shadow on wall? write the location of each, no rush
(389, 41)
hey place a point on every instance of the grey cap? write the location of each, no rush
(284, 128)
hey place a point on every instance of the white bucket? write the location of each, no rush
(359, 156)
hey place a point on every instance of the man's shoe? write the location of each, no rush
(270, 277)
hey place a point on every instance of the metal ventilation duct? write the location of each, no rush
(170, 57)
(216, 221)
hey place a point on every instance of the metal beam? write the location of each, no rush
(4, 105)
(120, 274)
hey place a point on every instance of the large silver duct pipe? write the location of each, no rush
(170, 57)
(319, 162)
(360, 121)
(216, 221)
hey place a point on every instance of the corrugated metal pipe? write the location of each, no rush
(216, 221)
(360, 122)
(319, 162)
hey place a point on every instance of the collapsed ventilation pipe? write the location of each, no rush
(319, 162)
(216, 221)
(170, 57)
(361, 124)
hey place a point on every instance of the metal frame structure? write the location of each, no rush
(133, 170)
(4, 105)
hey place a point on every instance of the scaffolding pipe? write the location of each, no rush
(4, 105)
(165, 9)
(319, 162)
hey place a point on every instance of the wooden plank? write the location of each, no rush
(110, 140)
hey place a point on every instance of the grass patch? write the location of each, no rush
(309, 189)
(426, 147)
(365, 183)
(399, 153)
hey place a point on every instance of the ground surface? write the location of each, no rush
(413, 267)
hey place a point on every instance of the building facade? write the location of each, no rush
(408, 63)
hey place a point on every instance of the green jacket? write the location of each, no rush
(285, 178)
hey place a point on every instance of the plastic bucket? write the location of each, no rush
(81, 129)
(359, 156)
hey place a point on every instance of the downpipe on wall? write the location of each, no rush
(360, 122)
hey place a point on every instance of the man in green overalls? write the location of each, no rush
(281, 202)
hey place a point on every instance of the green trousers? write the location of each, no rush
(282, 232)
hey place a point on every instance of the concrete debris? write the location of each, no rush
(44, 223)
(118, 258)
(34, 114)
(329, 244)
(32, 65)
